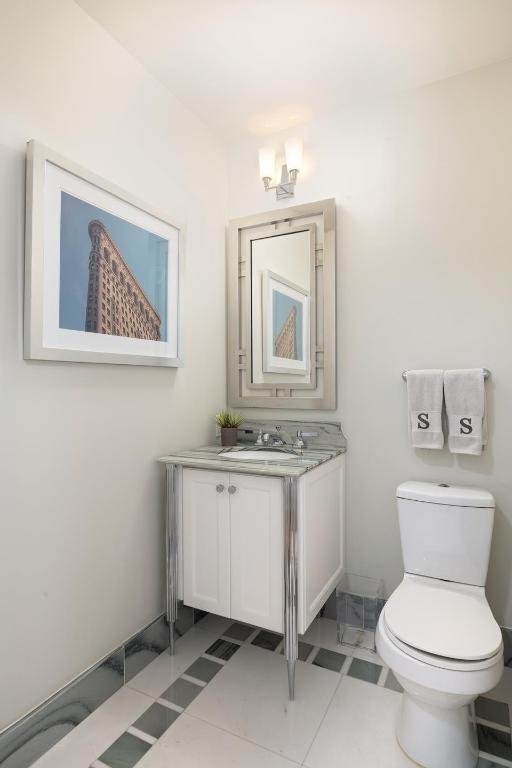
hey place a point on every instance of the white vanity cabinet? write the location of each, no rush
(233, 546)
(233, 543)
(206, 541)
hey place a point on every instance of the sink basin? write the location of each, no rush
(259, 456)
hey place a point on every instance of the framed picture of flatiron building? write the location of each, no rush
(285, 325)
(103, 271)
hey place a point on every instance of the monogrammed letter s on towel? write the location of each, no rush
(464, 395)
(425, 398)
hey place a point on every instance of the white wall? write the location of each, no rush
(81, 513)
(423, 185)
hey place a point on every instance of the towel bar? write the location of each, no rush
(486, 371)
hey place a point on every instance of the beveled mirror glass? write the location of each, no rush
(281, 333)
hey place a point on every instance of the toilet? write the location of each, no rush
(436, 632)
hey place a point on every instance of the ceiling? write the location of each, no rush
(257, 66)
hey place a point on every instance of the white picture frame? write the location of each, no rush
(277, 288)
(144, 279)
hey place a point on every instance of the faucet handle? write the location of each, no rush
(299, 442)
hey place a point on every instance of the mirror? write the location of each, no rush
(282, 276)
(281, 318)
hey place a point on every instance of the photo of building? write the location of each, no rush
(116, 302)
(285, 344)
(113, 276)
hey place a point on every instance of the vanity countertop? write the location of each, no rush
(217, 457)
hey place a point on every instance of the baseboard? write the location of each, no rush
(23, 742)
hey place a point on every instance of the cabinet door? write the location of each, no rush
(257, 551)
(206, 541)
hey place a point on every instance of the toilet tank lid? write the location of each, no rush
(444, 493)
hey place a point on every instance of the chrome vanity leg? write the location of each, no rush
(291, 640)
(171, 552)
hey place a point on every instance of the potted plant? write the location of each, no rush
(228, 423)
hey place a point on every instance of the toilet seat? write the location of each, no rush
(441, 662)
(442, 623)
(436, 673)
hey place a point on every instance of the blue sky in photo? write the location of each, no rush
(282, 305)
(144, 253)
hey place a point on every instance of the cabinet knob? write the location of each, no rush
(232, 489)
(220, 488)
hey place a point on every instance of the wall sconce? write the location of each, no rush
(289, 171)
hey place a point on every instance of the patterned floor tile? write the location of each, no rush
(156, 720)
(493, 711)
(125, 752)
(165, 669)
(358, 730)
(329, 660)
(203, 669)
(392, 683)
(267, 640)
(222, 649)
(193, 743)
(239, 631)
(303, 651)
(182, 692)
(494, 742)
(250, 699)
(364, 670)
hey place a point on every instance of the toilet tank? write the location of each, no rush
(446, 531)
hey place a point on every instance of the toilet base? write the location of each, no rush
(436, 737)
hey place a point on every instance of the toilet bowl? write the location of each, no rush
(439, 635)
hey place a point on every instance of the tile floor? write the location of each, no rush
(221, 701)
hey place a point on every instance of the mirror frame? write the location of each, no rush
(319, 219)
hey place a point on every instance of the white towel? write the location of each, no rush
(425, 396)
(464, 394)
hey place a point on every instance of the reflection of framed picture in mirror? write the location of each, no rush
(285, 311)
(288, 255)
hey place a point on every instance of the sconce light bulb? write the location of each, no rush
(293, 152)
(267, 158)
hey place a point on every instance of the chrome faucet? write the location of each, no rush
(299, 441)
(275, 438)
(272, 438)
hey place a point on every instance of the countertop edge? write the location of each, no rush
(255, 468)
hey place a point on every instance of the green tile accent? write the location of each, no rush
(364, 670)
(392, 683)
(303, 652)
(494, 742)
(493, 711)
(239, 631)
(222, 649)
(181, 692)
(203, 669)
(267, 640)
(125, 752)
(329, 660)
(156, 719)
